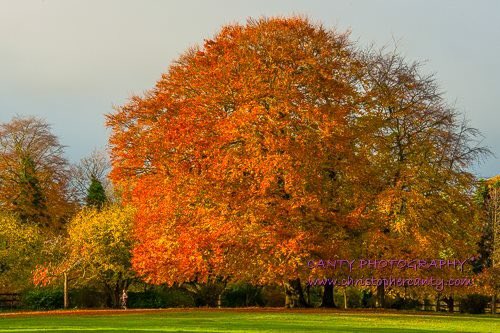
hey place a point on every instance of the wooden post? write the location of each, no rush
(345, 298)
(66, 290)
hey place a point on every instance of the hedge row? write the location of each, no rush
(241, 295)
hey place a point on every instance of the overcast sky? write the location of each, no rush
(71, 61)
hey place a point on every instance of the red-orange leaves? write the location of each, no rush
(231, 159)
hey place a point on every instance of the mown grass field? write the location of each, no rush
(248, 320)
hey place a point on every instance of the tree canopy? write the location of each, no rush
(278, 141)
(33, 172)
(96, 251)
(20, 247)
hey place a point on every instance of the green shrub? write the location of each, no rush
(401, 303)
(354, 297)
(87, 298)
(241, 295)
(273, 296)
(146, 299)
(175, 298)
(474, 303)
(159, 297)
(315, 295)
(43, 299)
(368, 299)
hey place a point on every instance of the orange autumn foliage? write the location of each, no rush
(276, 142)
(236, 160)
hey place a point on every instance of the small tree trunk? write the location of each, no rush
(438, 300)
(328, 301)
(494, 304)
(308, 293)
(222, 290)
(381, 296)
(345, 298)
(219, 300)
(294, 296)
(116, 296)
(109, 295)
(450, 303)
(66, 300)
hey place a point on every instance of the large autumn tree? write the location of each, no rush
(236, 158)
(277, 141)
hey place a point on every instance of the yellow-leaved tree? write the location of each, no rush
(96, 252)
(20, 245)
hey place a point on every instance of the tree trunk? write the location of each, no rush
(113, 293)
(494, 304)
(66, 300)
(438, 300)
(116, 295)
(381, 296)
(308, 293)
(328, 301)
(222, 290)
(219, 300)
(109, 298)
(345, 298)
(294, 296)
(450, 303)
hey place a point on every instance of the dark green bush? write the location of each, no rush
(474, 303)
(354, 297)
(427, 304)
(368, 299)
(401, 303)
(205, 294)
(314, 294)
(175, 298)
(273, 296)
(87, 298)
(43, 299)
(159, 297)
(146, 299)
(241, 295)
(154, 297)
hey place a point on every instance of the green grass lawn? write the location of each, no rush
(248, 321)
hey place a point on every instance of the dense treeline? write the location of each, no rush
(274, 143)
